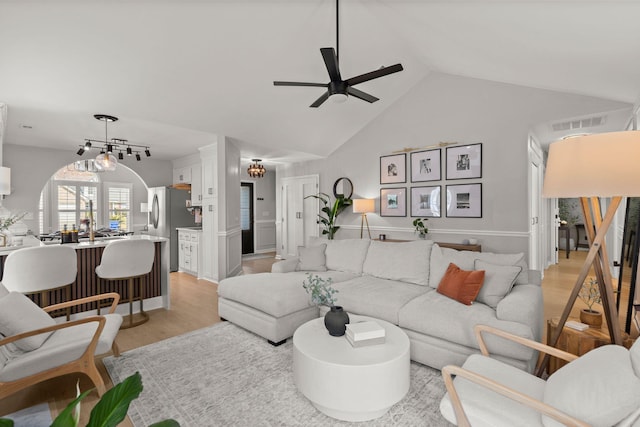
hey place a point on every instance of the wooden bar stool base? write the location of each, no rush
(128, 320)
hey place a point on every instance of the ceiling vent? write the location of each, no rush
(579, 123)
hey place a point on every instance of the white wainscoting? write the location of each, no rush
(233, 243)
(265, 236)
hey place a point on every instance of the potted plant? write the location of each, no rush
(322, 293)
(421, 227)
(330, 212)
(590, 295)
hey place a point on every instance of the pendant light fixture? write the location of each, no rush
(107, 161)
(256, 170)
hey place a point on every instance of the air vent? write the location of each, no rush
(579, 123)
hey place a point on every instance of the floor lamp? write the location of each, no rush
(364, 206)
(591, 167)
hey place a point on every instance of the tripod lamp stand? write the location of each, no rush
(592, 167)
(364, 206)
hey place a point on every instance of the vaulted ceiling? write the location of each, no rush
(177, 71)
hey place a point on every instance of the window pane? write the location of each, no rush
(245, 203)
(119, 206)
(86, 194)
(66, 218)
(66, 197)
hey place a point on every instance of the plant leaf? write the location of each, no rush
(66, 418)
(6, 422)
(113, 406)
(166, 423)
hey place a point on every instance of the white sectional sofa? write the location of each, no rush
(396, 282)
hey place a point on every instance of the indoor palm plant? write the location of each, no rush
(330, 212)
(322, 293)
(590, 295)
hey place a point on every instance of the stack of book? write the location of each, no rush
(365, 333)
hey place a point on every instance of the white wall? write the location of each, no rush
(31, 168)
(451, 108)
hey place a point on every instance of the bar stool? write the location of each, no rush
(128, 260)
(41, 270)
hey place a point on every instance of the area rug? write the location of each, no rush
(225, 376)
(34, 416)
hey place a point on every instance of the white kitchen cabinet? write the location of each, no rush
(182, 175)
(196, 185)
(188, 251)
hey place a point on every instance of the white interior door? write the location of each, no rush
(536, 226)
(298, 214)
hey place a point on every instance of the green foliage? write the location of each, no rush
(421, 226)
(590, 293)
(568, 210)
(320, 289)
(110, 410)
(10, 220)
(327, 219)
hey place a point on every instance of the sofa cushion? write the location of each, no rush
(379, 298)
(344, 255)
(274, 294)
(3, 290)
(441, 257)
(19, 314)
(461, 285)
(441, 317)
(498, 281)
(600, 388)
(406, 261)
(312, 258)
(634, 353)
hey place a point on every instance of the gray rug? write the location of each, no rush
(225, 376)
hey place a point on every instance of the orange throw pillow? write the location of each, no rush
(460, 285)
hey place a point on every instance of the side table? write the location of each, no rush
(578, 342)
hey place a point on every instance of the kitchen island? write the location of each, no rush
(89, 256)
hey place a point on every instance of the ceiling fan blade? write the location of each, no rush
(374, 74)
(318, 102)
(361, 95)
(299, 84)
(331, 61)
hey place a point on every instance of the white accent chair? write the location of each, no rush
(128, 260)
(34, 348)
(600, 388)
(41, 270)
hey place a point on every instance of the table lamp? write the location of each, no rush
(364, 206)
(590, 167)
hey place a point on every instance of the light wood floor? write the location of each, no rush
(194, 305)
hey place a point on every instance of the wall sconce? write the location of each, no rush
(5, 181)
(364, 206)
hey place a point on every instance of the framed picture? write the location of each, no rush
(464, 162)
(425, 201)
(393, 201)
(464, 201)
(425, 166)
(393, 169)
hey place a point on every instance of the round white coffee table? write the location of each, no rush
(349, 383)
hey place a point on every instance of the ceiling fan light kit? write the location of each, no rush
(337, 89)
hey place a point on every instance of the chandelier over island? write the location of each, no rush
(106, 160)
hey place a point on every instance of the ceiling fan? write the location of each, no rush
(337, 87)
(438, 145)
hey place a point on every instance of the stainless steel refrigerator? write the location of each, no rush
(168, 210)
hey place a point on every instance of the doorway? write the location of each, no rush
(246, 217)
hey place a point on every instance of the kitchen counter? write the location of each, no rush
(89, 256)
(189, 228)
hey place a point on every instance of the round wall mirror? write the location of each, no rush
(343, 187)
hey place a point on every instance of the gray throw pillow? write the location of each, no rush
(312, 258)
(19, 314)
(498, 281)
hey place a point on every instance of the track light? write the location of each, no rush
(147, 152)
(120, 156)
(109, 148)
(81, 151)
(138, 157)
(87, 145)
(129, 152)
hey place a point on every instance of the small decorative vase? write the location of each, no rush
(336, 321)
(422, 235)
(591, 317)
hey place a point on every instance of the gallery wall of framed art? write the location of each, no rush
(425, 169)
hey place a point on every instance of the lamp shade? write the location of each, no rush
(364, 205)
(599, 165)
(5, 181)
